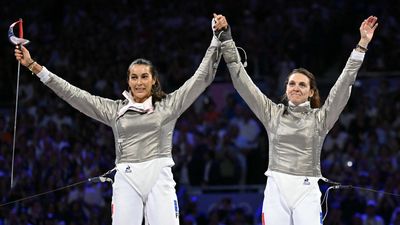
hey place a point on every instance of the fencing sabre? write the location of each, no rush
(19, 41)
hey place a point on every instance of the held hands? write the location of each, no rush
(221, 28)
(220, 22)
(367, 30)
(22, 55)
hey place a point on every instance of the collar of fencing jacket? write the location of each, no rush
(145, 107)
(303, 107)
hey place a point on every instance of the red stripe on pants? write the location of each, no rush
(262, 219)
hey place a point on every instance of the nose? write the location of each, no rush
(296, 87)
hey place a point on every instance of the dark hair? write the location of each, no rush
(156, 91)
(315, 100)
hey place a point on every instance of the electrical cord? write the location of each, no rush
(338, 186)
(102, 178)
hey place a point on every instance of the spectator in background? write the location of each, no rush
(370, 217)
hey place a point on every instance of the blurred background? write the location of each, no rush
(219, 147)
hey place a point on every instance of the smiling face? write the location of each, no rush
(298, 88)
(140, 81)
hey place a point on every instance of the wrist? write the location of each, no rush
(361, 48)
(30, 63)
(34, 67)
(224, 35)
(363, 43)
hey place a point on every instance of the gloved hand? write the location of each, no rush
(221, 28)
(224, 35)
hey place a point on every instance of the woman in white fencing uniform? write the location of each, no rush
(143, 125)
(296, 130)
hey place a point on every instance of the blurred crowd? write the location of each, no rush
(91, 43)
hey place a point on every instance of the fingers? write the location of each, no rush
(371, 22)
(375, 26)
(220, 22)
(19, 50)
(21, 53)
(363, 24)
(369, 25)
(18, 53)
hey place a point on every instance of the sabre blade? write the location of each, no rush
(16, 41)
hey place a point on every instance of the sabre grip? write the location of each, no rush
(21, 29)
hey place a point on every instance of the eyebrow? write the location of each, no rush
(292, 81)
(301, 82)
(134, 74)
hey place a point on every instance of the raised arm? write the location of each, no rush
(340, 92)
(367, 30)
(260, 104)
(179, 100)
(101, 109)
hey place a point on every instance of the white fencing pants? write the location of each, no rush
(159, 206)
(291, 200)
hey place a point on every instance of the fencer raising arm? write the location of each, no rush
(98, 108)
(341, 90)
(258, 102)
